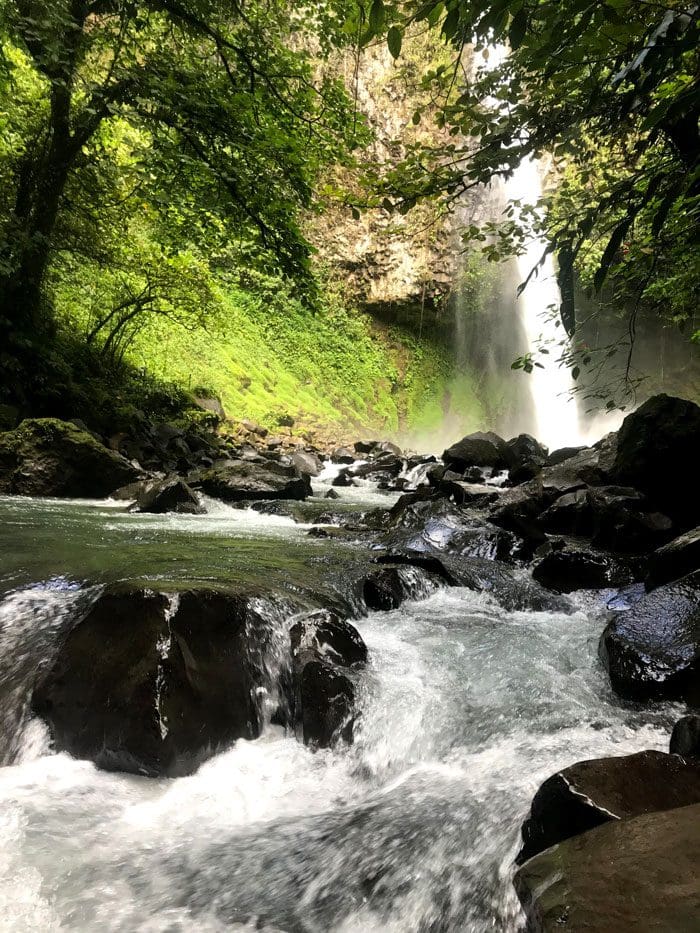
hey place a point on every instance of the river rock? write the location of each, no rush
(306, 462)
(590, 793)
(525, 458)
(422, 522)
(519, 509)
(48, 457)
(155, 683)
(652, 651)
(240, 481)
(389, 587)
(326, 649)
(628, 875)
(380, 468)
(657, 453)
(168, 495)
(570, 568)
(675, 559)
(685, 738)
(561, 454)
(343, 455)
(478, 449)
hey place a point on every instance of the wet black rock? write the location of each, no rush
(590, 793)
(326, 649)
(343, 478)
(525, 458)
(519, 509)
(328, 636)
(652, 651)
(241, 481)
(569, 569)
(591, 466)
(380, 468)
(332, 494)
(389, 587)
(657, 453)
(343, 455)
(635, 874)
(422, 521)
(48, 457)
(561, 454)
(155, 683)
(675, 559)
(479, 449)
(168, 495)
(685, 738)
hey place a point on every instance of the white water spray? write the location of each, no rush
(556, 412)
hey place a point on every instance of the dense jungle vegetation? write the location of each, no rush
(162, 163)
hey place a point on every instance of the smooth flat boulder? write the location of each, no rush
(675, 559)
(590, 793)
(652, 651)
(483, 448)
(48, 457)
(657, 453)
(631, 876)
(171, 494)
(241, 481)
(155, 683)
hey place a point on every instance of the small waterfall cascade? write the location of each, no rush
(557, 421)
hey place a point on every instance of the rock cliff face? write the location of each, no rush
(387, 260)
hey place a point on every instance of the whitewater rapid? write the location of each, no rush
(466, 708)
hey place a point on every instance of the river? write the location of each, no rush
(466, 708)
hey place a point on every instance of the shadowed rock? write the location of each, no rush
(632, 875)
(168, 495)
(240, 481)
(652, 650)
(478, 449)
(675, 559)
(48, 457)
(685, 738)
(590, 793)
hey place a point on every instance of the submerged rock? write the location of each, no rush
(168, 495)
(241, 481)
(652, 651)
(629, 875)
(48, 457)
(155, 683)
(590, 793)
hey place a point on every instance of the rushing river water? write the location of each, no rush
(466, 708)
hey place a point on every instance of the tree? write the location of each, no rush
(584, 77)
(226, 108)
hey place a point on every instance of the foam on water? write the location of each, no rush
(466, 709)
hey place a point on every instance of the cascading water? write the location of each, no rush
(466, 707)
(557, 421)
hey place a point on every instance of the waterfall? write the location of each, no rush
(557, 421)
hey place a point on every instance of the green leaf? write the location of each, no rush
(394, 40)
(377, 15)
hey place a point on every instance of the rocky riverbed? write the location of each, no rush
(232, 593)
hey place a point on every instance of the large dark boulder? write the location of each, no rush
(519, 510)
(389, 587)
(307, 462)
(525, 458)
(241, 481)
(478, 449)
(589, 467)
(657, 453)
(48, 457)
(590, 793)
(326, 651)
(685, 738)
(675, 559)
(637, 874)
(422, 522)
(155, 683)
(168, 495)
(570, 568)
(652, 651)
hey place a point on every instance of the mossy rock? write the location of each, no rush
(48, 457)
